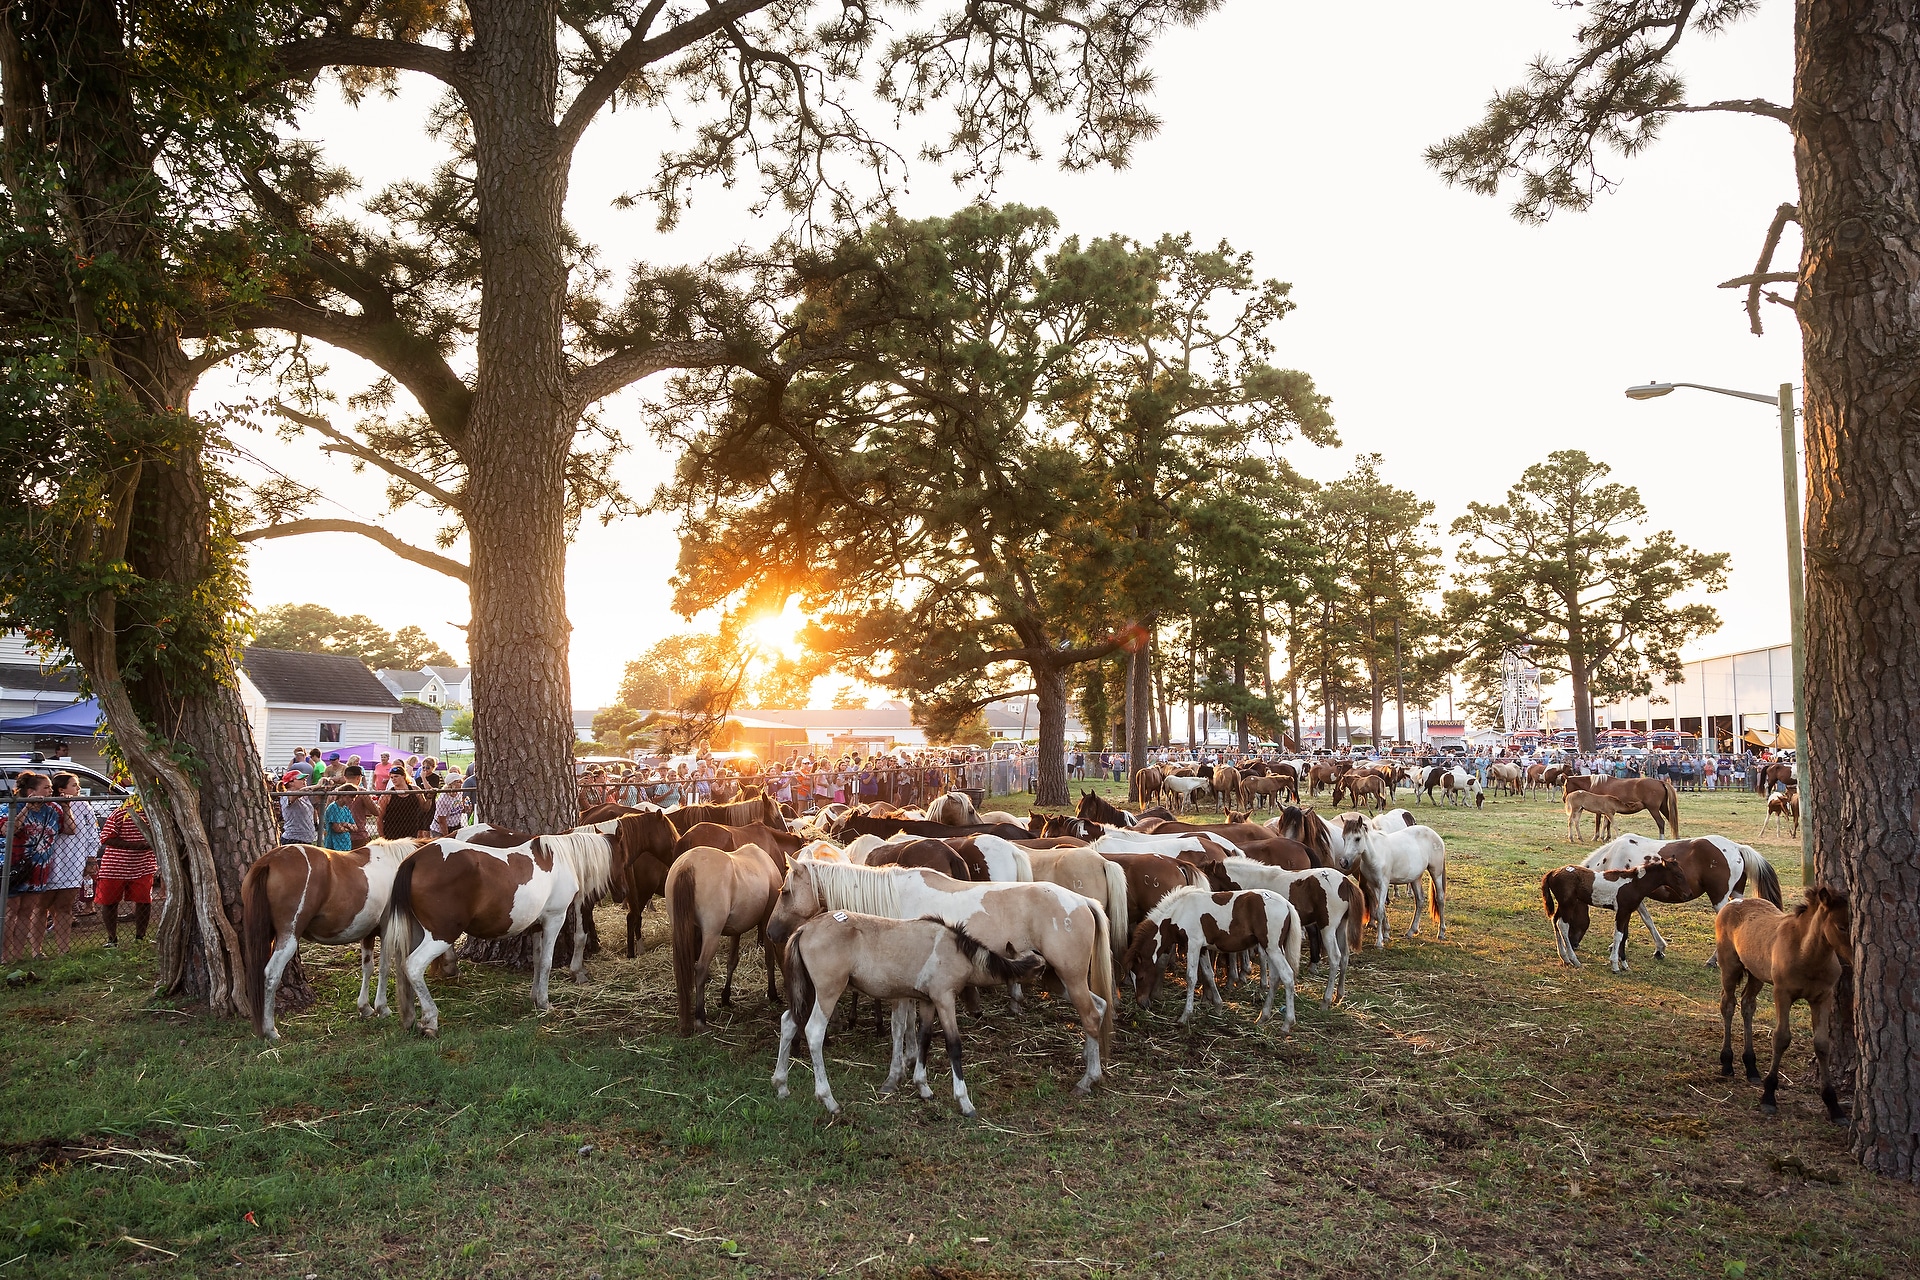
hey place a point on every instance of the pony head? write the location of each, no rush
(1835, 918)
(1153, 941)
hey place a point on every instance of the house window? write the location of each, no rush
(330, 731)
(417, 744)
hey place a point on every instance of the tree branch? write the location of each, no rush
(317, 53)
(1744, 106)
(989, 700)
(405, 550)
(344, 443)
(639, 52)
(1762, 274)
(414, 363)
(623, 368)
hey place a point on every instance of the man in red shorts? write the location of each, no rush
(127, 868)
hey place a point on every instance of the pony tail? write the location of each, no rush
(1101, 974)
(399, 935)
(1546, 893)
(1767, 880)
(684, 920)
(1673, 812)
(1116, 904)
(1354, 918)
(256, 939)
(799, 980)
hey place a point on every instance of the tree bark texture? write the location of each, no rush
(199, 922)
(1139, 707)
(1856, 123)
(1050, 769)
(521, 426)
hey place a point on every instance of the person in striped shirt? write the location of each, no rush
(127, 869)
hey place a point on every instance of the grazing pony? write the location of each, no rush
(1068, 930)
(1329, 907)
(448, 888)
(331, 896)
(1508, 777)
(1179, 790)
(1362, 784)
(1383, 859)
(714, 894)
(1268, 789)
(1570, 893)
(917, 964)
(1689, 869)
(1458, 784)
(1801, 954)
(1223, 923)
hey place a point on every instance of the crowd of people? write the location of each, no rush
(808, 782)
(63, 861)
(337, 802)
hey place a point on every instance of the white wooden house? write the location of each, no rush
(326, 700)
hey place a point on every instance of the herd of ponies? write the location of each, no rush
(919, 910)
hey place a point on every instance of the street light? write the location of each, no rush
(1796, 597)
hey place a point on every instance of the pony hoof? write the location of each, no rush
(579, 979)
(1753, 1077)
(431, 1033)
(968, 1112)
(368, 1011)
(782, 1092)
(1770, 1108)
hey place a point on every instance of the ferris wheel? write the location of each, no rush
(1519, 690)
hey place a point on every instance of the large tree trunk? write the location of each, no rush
(199, 922)
(1050, 769)
(518, 438)
(1139, 707)
(1577, 676)
(1856, 121)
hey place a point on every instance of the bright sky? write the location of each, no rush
(1456, 342)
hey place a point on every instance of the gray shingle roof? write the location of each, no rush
(316, 680)
(38, 679)
(416, 719)
(409, 681)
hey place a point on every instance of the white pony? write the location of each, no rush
(1249, 874)
(1182, 789)
(1385, 858)
(1007, 862)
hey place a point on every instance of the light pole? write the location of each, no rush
(1796, 592)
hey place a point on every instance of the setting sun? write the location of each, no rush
(777, 635)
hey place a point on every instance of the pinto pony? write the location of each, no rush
(1329, 907)
(1800, 954)
(919, 964)
(448, 888)
(1204, 921)
(1689, 869)
(330, 896)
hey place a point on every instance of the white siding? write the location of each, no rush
(290, 727)
(403, 743)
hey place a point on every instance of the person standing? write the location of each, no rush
(298, 822)
(37, 828)
(127, 869)
(448, 807)
(339, 822)
(73, 852)
(381, 769)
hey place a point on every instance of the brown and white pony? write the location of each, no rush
(448, 888)
(336, 897)
(1362, 784)
(1712, 867)
(1329, 905)
(1207, 923)
(1801, 955)
(917, 964)
(1781, 806)
(1070, 931)
(714, 894)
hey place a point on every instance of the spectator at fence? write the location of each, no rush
(127, 870)
(448, 807)
(470, 788)
(37, 829)
(73, 852)
(298, 822)
(339, 820)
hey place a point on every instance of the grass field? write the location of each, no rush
(1473, 1108)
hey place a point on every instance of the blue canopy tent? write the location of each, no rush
(80, 720)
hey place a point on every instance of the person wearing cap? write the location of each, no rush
(296, 813)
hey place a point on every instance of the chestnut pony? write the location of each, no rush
(1800, 953)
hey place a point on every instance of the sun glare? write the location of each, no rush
(778, 634)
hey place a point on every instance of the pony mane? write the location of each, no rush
(843, 886)
(588, 854)
(1164, 908)
(1000, 968)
